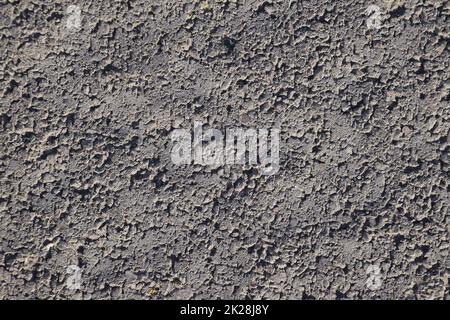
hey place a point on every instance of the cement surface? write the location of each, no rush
(360, 205)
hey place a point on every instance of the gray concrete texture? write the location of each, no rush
(358, 210)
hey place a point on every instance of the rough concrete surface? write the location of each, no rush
(358, 210)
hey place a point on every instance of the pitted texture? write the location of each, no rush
(87, 179)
